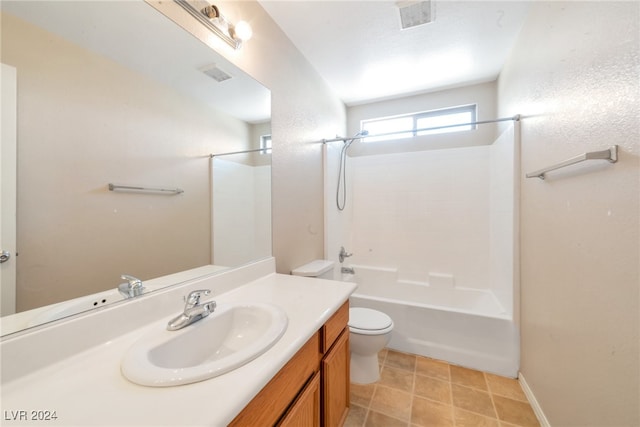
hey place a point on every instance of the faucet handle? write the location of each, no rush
(133, 281)
(132, 288)
(343, 254)
(193, 298)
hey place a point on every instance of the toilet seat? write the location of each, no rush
(366, 321)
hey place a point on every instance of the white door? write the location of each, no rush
(8, 191)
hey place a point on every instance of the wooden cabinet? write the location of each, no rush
(335, 382)
(273, 400)
(335, 368)
(313, 387)
(305, 411)
(334, 327)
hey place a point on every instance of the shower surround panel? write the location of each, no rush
(241, 220)
(424, 213)
(440, 217)
(433, 236)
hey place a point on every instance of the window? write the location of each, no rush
(265, 142)
(413, 123)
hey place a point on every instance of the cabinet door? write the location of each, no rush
(305, 411)
(271, 403)
(335, 382)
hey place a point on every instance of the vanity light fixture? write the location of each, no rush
(210, 17)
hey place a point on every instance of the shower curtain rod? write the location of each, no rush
(239, 152)
(345, 139)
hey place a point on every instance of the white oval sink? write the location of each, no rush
(233, 335)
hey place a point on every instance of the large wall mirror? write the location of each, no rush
(116, 93)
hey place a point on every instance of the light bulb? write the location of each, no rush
(242, 31)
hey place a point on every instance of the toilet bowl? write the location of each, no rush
(369, 332)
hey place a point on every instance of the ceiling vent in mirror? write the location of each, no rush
(414, 13)
(215, 73)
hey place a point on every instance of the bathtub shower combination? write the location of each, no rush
(433, 237)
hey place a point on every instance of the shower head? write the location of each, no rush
(358, 135)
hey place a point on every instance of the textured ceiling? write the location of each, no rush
(360, 50)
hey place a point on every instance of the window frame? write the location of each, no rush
(265, 144)
(416, 131)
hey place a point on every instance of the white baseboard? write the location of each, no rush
(544, 422)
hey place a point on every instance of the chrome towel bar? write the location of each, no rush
(113, 187)
(610, 154)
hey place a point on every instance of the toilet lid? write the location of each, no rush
(368, 319)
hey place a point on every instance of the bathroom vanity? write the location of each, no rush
(313, 387)
(70, 371)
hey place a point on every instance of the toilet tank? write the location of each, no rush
(320, 268)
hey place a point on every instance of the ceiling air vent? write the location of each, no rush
(215, 73)
(414, 13)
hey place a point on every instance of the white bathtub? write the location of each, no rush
(465, 327)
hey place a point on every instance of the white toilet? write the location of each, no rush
(369, 332)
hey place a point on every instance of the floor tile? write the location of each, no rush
(433, 389)
(469, 419)
(395, 359)
(360, 394)
(425, 412)
(392, 402)
(396, 378)
(357, 415)
(515, 412)
(507, 387)
(376, 419)
(432, 368)
(472, 400)
(418, 391)
(468, 377)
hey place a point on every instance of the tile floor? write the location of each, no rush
(418, 391)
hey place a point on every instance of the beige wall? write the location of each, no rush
(573, 74)
(304, 110)
(85, 121)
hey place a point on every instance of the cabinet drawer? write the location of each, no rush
(334, 326)
(272, 401)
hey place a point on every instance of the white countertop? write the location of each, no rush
(88, 388)
(26, 319)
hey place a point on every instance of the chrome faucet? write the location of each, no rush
(193, 310)
(343, 254)
(131, 288)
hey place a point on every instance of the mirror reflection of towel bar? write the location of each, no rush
(113, 187)
(611, 155)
